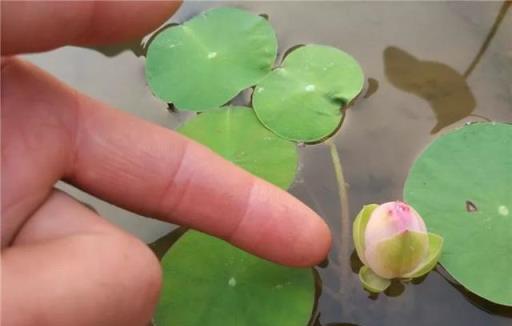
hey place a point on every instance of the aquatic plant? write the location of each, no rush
(392, 241)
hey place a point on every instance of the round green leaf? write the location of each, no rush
(209, 282)
(236, 134)
(205, 62)
(302, 99)
(462, 187)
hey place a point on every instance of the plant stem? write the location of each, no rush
(345, 233)
(489, 37)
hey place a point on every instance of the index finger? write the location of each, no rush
(51, 132)
(39, 26)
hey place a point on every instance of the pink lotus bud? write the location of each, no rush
(392, 241)
(396, 240)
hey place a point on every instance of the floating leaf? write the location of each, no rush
(209, 282)
(205, 62)
(473, 164)
(302, 99)
(236, 134)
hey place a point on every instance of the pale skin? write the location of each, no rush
(62, 264)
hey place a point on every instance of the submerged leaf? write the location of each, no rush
(236, 134)
(205, 62)
(473, 164)
(302, 99)
(209, 282)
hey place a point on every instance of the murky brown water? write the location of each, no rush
(431, 66)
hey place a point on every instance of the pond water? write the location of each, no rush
(431, 67)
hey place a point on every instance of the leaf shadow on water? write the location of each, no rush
(481, 303)
(135, 46)
(444, 88)
(162, 245)
(315, 314)
(373, 86)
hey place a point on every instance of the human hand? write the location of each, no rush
(61, 263)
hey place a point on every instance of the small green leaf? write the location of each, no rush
(371, 281)
(302, 99)
(205, 62)
(236, 134)
(435, 246)
(462, 186)
(207, 281)
(359, 227)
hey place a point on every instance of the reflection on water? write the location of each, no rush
(443, 87)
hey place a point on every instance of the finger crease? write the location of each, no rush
(230, 236)
(170, 184)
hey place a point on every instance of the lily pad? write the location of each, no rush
(462, 186)
(209, 282)
(205, 62)
(302, 99)
(236, 134)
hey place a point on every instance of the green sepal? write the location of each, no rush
(359, 227)
(399, 254)
(371, 281)
(435, 246)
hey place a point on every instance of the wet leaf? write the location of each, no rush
(205, 62)
(209, 282)
(474, 164)
(302, 99)
(236, 134)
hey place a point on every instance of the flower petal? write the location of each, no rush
(390, 219)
